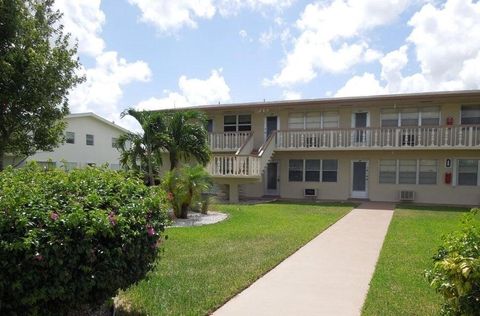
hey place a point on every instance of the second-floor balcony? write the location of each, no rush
(227, 141)
(441, 137)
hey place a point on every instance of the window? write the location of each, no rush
(115, 166)
(312, 170)
(295, 170)
(427, 172)
(468, 171)
(295, 121)
(388, 171)
(89, 140)
(430, 116)
(313, 120)
(69, 165)
(209, 126)
(329, 170)
(389, 118)
(407, 171)
(114, 142)
(234, 123)
(70, 137)
(470, 114)
(409, 117)
(47, 165)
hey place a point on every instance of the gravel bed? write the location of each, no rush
(199, 219)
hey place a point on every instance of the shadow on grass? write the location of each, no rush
(431, 208)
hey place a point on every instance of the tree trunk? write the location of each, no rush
(184, 210)
(173, 160)
(151, 179)
(1, 161)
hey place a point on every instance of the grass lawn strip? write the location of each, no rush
(202, 267)
(398, 286)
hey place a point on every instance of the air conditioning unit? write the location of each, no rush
(407, 195)
(310, 192)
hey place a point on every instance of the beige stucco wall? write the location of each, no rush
(341, 190)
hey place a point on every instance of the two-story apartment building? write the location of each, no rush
(89, 140)
(423, 147)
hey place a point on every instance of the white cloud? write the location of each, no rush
(291, 95)
(444, 39)
(266, 38)
(243, 34)
(103, 89)
(331, 38)
(361, 85)
(193, 92)
(84, 20)
(169, 16)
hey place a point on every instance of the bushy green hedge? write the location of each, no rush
(456, 271)
(72, 239)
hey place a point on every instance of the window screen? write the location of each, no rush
(312, 170)
(295, 170)
(427, 172)
(388, 171)
(329, 170)
(407, 171)
(467, 172)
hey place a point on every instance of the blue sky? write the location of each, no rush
(150, 54)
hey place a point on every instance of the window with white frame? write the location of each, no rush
(407, 171)
(409, 117)
(237, 123)
(89, 140)
(329, 170)
(295, 170)
(430, 116)
(470, 114)
(388, 171)
(389, 118)
(70, 137)
(312, 170)
(313, 120)
(468, 171)
(427, 171)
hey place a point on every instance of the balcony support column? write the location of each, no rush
(233, 192)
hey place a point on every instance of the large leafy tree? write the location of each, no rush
(38, 66)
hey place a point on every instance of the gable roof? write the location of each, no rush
(101, 119)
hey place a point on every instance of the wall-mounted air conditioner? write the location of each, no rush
(310, 192)
(407, 195)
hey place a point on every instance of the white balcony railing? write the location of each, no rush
(464, 136)
(228, 141)
(234, 166)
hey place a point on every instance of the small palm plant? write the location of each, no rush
(187, 185)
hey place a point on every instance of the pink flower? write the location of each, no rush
(54, 216)
(150, 231)
(112, 218)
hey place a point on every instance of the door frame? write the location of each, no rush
(265, 124)
(359, 194)
(360, 111)
(266, 191)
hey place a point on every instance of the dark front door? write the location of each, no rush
(272, 178)
(361, 123)
(271, 124)
(359, 179)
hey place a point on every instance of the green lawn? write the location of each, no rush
(398, 286)
(202, 267)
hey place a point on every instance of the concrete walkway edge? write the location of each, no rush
(330, 275)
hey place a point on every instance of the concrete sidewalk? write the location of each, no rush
(328, 276)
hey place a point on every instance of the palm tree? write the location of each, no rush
(187, 137)
(140, 151)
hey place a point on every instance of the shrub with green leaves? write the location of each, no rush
(72, 239)
(456, 270)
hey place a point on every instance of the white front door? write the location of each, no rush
(272, 179)
(360, 179)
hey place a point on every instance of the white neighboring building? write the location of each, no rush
(89, 140)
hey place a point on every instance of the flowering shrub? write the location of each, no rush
(70, 240)
(456, 270)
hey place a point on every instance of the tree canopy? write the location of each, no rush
(38, 66)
